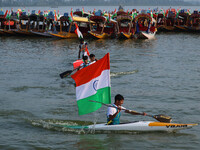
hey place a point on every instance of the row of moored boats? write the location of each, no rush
(141, 24)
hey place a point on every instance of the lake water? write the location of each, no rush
(160, 76)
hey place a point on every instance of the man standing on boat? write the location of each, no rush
(82, 48)
(114, 113)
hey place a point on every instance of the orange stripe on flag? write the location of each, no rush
(92, 71)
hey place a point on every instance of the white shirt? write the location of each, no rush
(112, 110)
(92, 62)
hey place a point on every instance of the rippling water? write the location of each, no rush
(160, 76)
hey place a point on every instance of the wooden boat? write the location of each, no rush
(145, 27)
(194, 22)
(125, 26)
(182, 20)
(100, 28)
(66, 28)
(170, 19)
(40, 26)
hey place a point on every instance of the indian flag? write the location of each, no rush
(78, 32)
(93, 83)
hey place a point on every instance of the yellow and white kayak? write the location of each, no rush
(135, 126)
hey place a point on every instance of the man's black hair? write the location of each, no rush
(92, 55)
(85, 58)
(119, 97)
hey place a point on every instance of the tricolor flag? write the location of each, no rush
(5, 15)
(78, 32)
(93, 83)
(86, 52)
(82, 11)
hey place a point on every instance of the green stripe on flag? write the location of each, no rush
(85, 106)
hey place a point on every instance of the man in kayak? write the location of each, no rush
(85, 62)
(82, 48)
(114, 113)
(92, 59)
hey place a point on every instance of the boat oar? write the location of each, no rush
(66, 73)
(161, 118)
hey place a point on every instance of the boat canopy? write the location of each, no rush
(98, 18)
(124, 18)
(82, 19)
(64, 18)
(143, 16)
(14, 16)
(33, 17)
(121, 13)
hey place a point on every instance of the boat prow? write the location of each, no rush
(44, 34)
(145, 35)
(98, 35)
(64, 35)
(125, 35)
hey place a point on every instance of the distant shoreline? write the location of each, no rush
(99, 5)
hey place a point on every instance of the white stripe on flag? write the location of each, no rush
(90, 88)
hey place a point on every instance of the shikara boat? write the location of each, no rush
(194, 22)
(170, 19)
(23, 28)
(182, 20)
(145, 26)
(125, 26)
(101, 28)
(66, 28)
(41, 28)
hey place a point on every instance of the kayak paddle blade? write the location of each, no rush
(65, 74)
(163, 118)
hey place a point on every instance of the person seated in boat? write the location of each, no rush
(82, 48)
(85, 62)
(114, 113)
(92, 59)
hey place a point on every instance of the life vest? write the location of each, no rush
(115, 120)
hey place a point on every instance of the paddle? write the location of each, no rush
(161, 118)
(66, 73)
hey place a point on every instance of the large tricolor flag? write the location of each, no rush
(93, 83)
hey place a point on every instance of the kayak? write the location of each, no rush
(134, 126)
